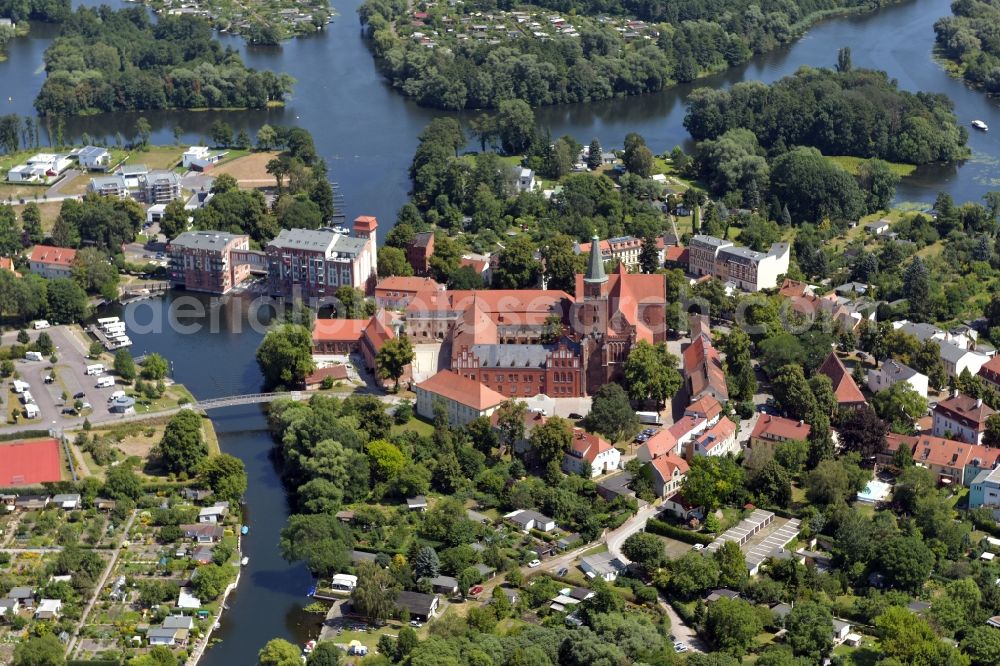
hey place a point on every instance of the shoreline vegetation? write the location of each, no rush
(105, 60)
(966, 45)
(472, 58)
(259, 23)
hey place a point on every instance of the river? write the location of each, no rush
(367, 133)
(216, 361)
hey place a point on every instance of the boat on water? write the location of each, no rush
(980, 125)
(245, 530)
(310, 646)
(245, 561)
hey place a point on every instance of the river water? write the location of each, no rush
(367, 134)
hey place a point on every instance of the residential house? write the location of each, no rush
(990, 372)
(719, 440)
(721, 593)
(187, 600)
(9, 607)
(211, 261)
(602, 565)
(878, 227)
(952, 461)
(420, 606)
(957, 359)
(203, 532)
(706, 407)
(444, 584)
(52, 262)
(39, 168)
(624, 249)
(528, 520)
(961, 417)
(196, 494)
(672, 439)
(31, 502)
(593, 450)
(194, 153)
(397, 291)
(891, 372)
(845, 390)
(167, 636)
(841, 629)
(314, 263)
(771, 430)
(985, 489)
(486, 571)
(343, 582)
(615, 486)
(744, 268)
(668, 473)
(214, 514)
(48, 609)
(104, 504)
(531, 419)
(464, 399)
(94, 158)
(702, 367)
(23, 595)
(525, 179)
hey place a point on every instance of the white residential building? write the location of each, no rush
(892, 372)
(746, 269)
(525, 179)
(94, 158)
(194, 153)
(464, 399)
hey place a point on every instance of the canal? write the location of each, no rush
(367, 133)
(213, 355)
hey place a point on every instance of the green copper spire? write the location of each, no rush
(595, 267)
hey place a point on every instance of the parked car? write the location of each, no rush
(680, 647)
(563, 571)
(575, 416)
(475, 590)
(534, 563)
(77, 396)
(699, 546)
(86, 405)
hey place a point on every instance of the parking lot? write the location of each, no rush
(70, 380)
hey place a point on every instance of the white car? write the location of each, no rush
(680, 647)
(534, 563)
(699, 546)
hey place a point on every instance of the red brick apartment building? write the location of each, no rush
(203, 261)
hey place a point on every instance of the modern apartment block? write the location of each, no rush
(745, 268)
(316, 262)
(159, 187)
(205, 261)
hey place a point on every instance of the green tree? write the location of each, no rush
(392, 261)
(211, 581)
(639, 161)
(732, 565)
(174, 220)
(319, 540)
(154, 367)
(326, 653)
(125, 365)
(386, 459)
(712, 481)
(278, 652)
(183, 446)
(550, 441)
(741, 379)
(392, 359)
(645, 549)
(143, 130)
(651, 373)
(517, 267)
(992, 435)
(510, 421)
(808, 628)
(121, 482)
(900, 406)
(515, 123)
(594, 154)
(982, 645)
(225, 475)
(732, 625)
(267, 138)
(285, 355)
(43, 650)
(649, 256)
(611, 414)
(908, 639)
(67, 302)
(221, 133)
(31, 221)
(374, 597)
(906, 562)
(917, 288)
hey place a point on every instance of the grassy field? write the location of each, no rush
(249, 169)
(852, 164)
(157, 157)
(422, 428)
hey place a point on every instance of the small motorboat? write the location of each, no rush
(245, 561)
(980, 125)
(310, 646)
(245, 530)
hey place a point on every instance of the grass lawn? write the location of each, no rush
(510, 161)
(421, 427)
(852, 164)
(602, 548)
(49, 210)
(157, 157)
(11, 192)
(866, 655)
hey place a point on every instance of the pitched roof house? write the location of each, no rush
(595, 450)
(463, 398)
(962, 417)
(668, 473)
(770, 430)
(952, 461)
(844, 388)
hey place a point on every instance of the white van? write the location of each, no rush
(96, 369)
(40, 324)
(105, 381)
(114, 396)
(33, 356)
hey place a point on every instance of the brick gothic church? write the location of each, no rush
(612, 313)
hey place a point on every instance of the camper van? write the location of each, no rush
(95, 369)
(40, 324)
(33, 356)
(649, 418)
(114, 396)
(105, 381)
(31, 411)
(19, 386)
(27, 398)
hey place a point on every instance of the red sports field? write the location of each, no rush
(29, 463)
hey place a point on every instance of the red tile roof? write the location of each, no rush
(989, 370)
(720, 432)
(677, 254)
(948, 453)
(703, 367)
(778, 427)
(365, 223)
(664, 466)
(338, 330)
(706, 406)
(685, 426)
(334, 372)
(406, 284)
(462, 390)
(844, 388)
(660, 444)
(967, 408)
(53, 256)
(588, 446)
(27, 463)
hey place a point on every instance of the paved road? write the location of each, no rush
(636, 523)
(100, 585)
(31, 550)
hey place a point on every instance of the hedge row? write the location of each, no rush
(667, 530)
